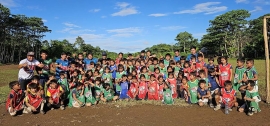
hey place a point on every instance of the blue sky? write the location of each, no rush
(129, 25)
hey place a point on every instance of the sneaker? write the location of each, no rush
(230, 109)
(62, 107)
(217, 107)
(211, 106)
(42, 112)
(52, 108)
(25, 111)
(250, 113)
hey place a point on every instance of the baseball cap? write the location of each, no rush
(104, 54)
(30, 54)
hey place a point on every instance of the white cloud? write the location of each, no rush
(122, 35)
(157, 15)
(94, 10)
(172, 28)
(241, 1)
(65, 30)
(264, 2)
(257, 8)
(44, 20)
(103, 16)
(126, 30)
(75, 31)
(8, 3)
(71, 25)
(125, 9)
(206, 8)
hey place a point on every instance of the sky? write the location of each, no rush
(129, 25)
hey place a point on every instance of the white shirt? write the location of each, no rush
(28, 71)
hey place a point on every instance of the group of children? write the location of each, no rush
(143, 78)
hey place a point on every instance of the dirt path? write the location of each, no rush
(138, 115)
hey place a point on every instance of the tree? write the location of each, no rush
(185, 41)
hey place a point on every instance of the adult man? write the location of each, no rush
(45, 71)
(27, 67)
(61, 65)
(177, 56)
(193, 53)
(89, 59)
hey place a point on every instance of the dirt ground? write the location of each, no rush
(137, 115)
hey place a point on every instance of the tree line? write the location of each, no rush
(229, 34)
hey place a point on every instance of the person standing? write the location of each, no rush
(45, 71)
(61, 65)
(27, 67)
(193, 53)
(177, 56)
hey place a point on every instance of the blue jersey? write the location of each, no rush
(176, 58)
(202, 92)
(208, 66)
(124, 85)
(64, 67)
(213, 82)
(189, 57)
(88, 61)
(113, 71)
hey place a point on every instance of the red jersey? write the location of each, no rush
(173, 86)
(200, 66)
(133, 89)
(227, 96)
(153, 91)
(34, 100)
(225, 73)
(187, 72)
(53, 93)
(17, 98)
(142, 90)
(160, 91)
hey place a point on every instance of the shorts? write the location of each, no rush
(204, 100)
(213, 91)
(123, 94)
(76, 104)
(117, 93)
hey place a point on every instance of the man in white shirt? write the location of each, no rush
(27, 67)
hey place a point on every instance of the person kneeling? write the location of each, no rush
(77, 99)
(34, 101)
(226, 98)
(108, 93)
(55, 96)
(14, 102)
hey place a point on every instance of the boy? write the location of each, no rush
(45, 71)
(64, 84)
(107, 93)
(162, 68)
(210, 63)
(200, 64)
(192, 87)
(203, 77)
(239, 74)
(227, 96)
(203, 93)
(33, 100)
(214, 82)
(54, 95)
(14, 102)
(182, 61)
(251, 73)
(252, 99)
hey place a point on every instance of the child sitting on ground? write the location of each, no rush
(14, 102)
(77, 98)
(33, 101)
(203, 93)
(167, 94)
(54, 96)
(107, 93)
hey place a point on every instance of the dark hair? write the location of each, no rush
(211, 70)
(160, 76)
(53, 81)
(51, 74)
(157, 69)
(181, 73)
(36, 77)
(121, 66)
(98, 79)
(63, 53)
(224, 57)
(144, 67)
(80, 54)
(201, 72)
(200, 55)
(32, 86)
(193, 57)
(143, 51)
(176, 50)
(251, 82)
(124, 75)
(62, 73)
(134, 77)
(250, 60)
(142, 75)
(187, 62)
(161, 61)
(242, 60)
(193, 73)
(13, 83)
(184, 77)
(219, 60)
(183, 58)
(170, 73)
(44, 51)
(193, 47)
(105, 85)
(227, 82)
(168, 54)
(211, 59)
(202, 81)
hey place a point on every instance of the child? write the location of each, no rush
(182, 61)
(98, 88)
(200, 64)
(133, 90)
(118, 78)
(77, 98)
(64, 84)
(124, 87)
(88, 93)
(145, 73)
(153, 88)
(251, 72)
(252, 99)
(179, 83)
(55, 96)
(129, 66)
(193, 63)
(108, 93)
(167, 95)
(162, 68)
(113, 69)
(184, 89)
(33, 101)
(203, 93)
(226, 98)
(193, 86)
(167, 60)
(214, 89)
(177, 68)
(142, 88)
(225, 71)
(15, 98)
(203, 77)
(157, 73)
(107, 76)
(161, 84)
(187, 69)
(239, 74)
(150, 65)
(172, 81)
(210, 63)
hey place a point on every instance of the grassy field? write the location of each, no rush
(10, 72)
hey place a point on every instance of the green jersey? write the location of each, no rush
(166, 63)
(251, 72)
(130, 69)
(89, 98)
(238, 75)
(118, 76)
(167, 96)
(65, 85)
(46, 68)
(107, 77)
(163, 70)
(193, 86)
(108, 94)
(77, 95)
(151, 68)
(254, 94)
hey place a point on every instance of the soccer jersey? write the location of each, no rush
(142, 90)
(254, 94)
(151, 68)
(176, 58)
(173, 86)
(200, 66)
(225, 73)
(88, 94)
(64, 67)
(113, 69)
(238, 75)
(33, 99)
(193, 86)
(107, 78)
(166, 63)
(28, 71)
(65, 86)
(124, 89)
(208, 66)
(17, 100)
(160, 91)
(227, 96)
(53, 94)
(132, 90)
(213, 82)
(153, 91)
(167, 96)
(251, 72)
(202, 92)
(46, 68)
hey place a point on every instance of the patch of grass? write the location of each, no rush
(4, 90)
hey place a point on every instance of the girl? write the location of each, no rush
(98, 88)
(95, 74)
(133, 90)
(108, 93)
(77, 98)
(124, 87)
(167, 95)
(99, 68)
(142, 88)
(157, 73)
(161, 84)
(153, 88)
(88, 93)
(187, 69)
(150, 65)
(179, 83)
(138, 66)
(193, 63)
(184, 89)
(172, 82)
(170, 69)
(113, 68)
(129, 66)
(134, 73)
(107, 76)
(225, 71)
(76, 74)
(145, 73)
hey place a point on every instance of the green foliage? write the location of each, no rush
(185, 41)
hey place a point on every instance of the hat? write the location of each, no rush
(30, 54)
(104, 54)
